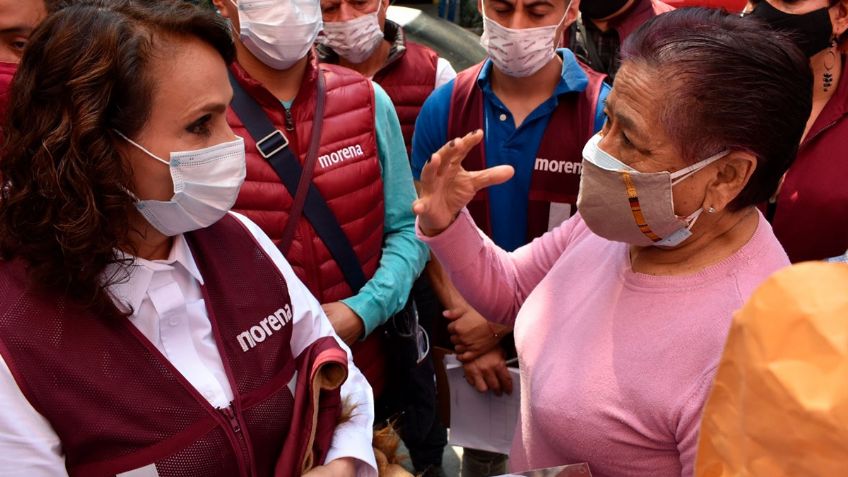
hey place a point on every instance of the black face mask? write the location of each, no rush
(812, 31)
(597, 9)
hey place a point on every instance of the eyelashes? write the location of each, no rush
(201, 126)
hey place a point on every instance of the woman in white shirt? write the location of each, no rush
(144, 329)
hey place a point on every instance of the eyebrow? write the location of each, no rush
(17, 30)
(539, 3)
(218, 108)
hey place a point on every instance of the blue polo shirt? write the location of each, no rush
(505, 144)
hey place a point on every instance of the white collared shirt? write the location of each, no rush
(169, 310)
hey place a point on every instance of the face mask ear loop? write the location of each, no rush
(693, 217)
(685, 173)
(154, 156)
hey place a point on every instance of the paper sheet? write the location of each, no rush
(481, 420)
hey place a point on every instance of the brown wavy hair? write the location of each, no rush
(86, 72)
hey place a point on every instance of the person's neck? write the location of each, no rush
(283, 84)
(819, 63)
(144, 241)
(722, 235)
(522, 95)
(373, 63)
(603, 24)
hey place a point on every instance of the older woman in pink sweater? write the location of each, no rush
(621, 313)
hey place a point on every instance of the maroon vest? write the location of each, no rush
(347, 174)
(812, 206)
(409, 80)
(556, 172)
(117, 404)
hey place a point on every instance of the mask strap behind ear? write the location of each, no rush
(684, 173)
(154, 156)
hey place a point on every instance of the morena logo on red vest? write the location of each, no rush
(248, 339)
(562, 167)
(343, 154)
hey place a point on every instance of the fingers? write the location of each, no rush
(420, 206)
(491, 176)
(475, 379)
(430, 169)
(456, 149)
(453, 313)
(491, 378)
(504, 378)
(462, 146)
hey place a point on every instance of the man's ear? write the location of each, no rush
(733, 175)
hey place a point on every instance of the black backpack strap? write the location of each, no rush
(273, 146)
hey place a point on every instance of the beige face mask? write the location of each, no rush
(622, 204)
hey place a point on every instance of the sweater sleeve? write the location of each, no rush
(496, 282)
(403, 255)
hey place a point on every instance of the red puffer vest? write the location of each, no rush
(558, 163)
(118, 404)
(408, 78)
(347, 174)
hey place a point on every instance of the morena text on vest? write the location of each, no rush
(248, 339)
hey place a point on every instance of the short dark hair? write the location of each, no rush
(85, 72)
(729, 83)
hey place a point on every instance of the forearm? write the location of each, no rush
(387, 291)
(476, 271)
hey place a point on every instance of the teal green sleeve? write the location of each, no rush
(404, 256)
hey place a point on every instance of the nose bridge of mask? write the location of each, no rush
(142, 148)
(593, 153)
(687, 172)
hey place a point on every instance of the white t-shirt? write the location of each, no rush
(170, 312)
(444, 72)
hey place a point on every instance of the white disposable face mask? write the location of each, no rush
(519, 52)
(206, 184)
(279, 32)
(354, 40)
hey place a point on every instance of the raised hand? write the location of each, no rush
(446, 187)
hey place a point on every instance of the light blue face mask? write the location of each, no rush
(206, 185)
(622, 204)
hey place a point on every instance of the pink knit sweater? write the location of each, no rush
(615, 365)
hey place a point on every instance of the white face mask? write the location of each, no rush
(519, 52)
(206, 184)
(354, 40)
(279, 32)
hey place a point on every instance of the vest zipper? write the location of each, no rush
(289, 120)
(230, 414)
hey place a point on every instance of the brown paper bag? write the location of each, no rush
(779, 404)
